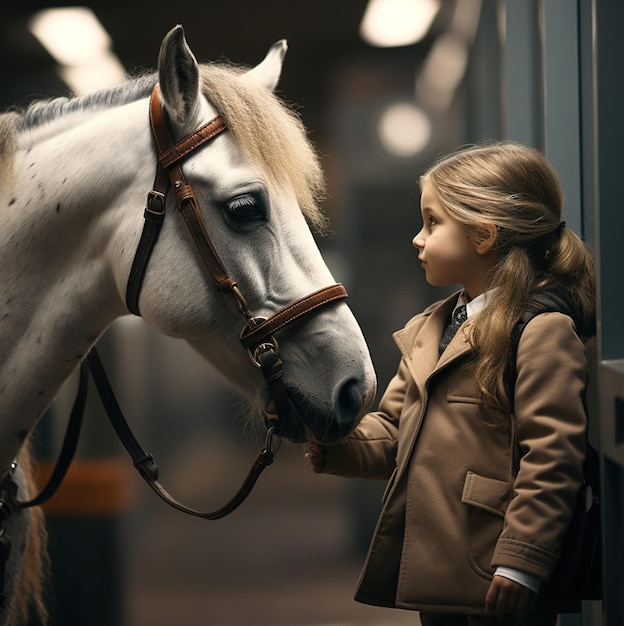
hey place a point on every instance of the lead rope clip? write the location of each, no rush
(272, 445)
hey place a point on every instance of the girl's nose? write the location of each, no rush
(418, 241)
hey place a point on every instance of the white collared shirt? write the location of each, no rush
(476, 304)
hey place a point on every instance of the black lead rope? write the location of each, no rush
(144, 462)
(68, 448)
(8, 486)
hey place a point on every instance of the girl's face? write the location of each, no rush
(448, 254)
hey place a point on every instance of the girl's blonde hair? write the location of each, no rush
(514, 189)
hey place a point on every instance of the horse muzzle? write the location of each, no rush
(307, 420)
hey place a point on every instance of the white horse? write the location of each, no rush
(74, 177)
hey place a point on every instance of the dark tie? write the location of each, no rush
(459, 317)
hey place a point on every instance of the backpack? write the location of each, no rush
(578, 573)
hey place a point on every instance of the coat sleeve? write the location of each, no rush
(370, 450)
(551, 421)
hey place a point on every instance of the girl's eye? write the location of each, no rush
(432, 221)
(248, 207)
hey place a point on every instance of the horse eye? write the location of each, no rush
(246, 208)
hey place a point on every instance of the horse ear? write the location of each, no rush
(267, 72)
(178, 75)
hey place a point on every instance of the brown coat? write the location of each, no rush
(458, 502)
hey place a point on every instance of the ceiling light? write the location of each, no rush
(404, 130)
(74, 37)
(71, 35)
(389, 23)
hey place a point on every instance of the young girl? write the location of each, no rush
(481, 485)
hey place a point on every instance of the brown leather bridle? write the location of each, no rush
(256, 335)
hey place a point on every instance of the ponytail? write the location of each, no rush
(571, 269)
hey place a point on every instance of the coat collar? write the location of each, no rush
(419, 340)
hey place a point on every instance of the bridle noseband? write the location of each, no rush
(256, 335)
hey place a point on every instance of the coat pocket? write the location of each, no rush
(486, 501)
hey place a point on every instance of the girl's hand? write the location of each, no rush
(316, 456)
(506, 596)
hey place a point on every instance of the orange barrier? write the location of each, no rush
(91, 488)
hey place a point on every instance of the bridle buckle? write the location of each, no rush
(267, 344)
(155, 206)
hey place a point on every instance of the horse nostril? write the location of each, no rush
(327, 422)
(350, 399)
(349, 403)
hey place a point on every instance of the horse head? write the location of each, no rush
(257, 186)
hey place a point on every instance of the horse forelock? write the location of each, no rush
(270, 133)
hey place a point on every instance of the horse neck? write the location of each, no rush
(63, 222)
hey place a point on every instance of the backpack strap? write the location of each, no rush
(540, 302)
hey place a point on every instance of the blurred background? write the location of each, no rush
(383, 87)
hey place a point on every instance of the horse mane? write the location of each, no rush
(268, 131)
(42, 112)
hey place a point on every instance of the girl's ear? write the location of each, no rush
(484, 237)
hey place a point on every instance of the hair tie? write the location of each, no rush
(540, 249)
(553, 238)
